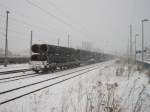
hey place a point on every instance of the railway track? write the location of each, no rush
(15, 78)
(19, 77)
(40, 85)
(14, 71)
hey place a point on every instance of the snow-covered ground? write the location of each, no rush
(14, 67)
(113, 87)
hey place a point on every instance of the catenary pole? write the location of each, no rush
(135, 46)
(130, 42)
(142, 22)
(68, 39)
(6, 41)
(31, 43)
(58, 42)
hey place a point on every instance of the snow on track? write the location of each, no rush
(131, 86)
(5, 94)
(18, 77)
(14, 67)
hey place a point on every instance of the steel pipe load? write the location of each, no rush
(44, 58)
(44, 48)
(56, 50)
(37, 57)
(50, 57)
(35, 48)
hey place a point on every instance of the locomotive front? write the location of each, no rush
(39, 59)
(50, 57)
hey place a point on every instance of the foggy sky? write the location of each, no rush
(103, 23)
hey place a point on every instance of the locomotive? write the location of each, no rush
(50, 57)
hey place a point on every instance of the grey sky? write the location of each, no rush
(104, 23)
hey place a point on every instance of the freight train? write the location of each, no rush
(50, 57)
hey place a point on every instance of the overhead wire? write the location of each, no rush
(31, 25)
(47, 12)
(52, 4)
(16, 32)
(23, 33)
(54, 16)
(44, 28)
(62, 12)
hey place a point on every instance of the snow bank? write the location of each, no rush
(14, 67)
(113, 87)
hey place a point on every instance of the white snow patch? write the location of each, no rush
(113, 87)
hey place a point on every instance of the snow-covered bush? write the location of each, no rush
(148, 75)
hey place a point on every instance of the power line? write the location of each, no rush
(54, 16)
(47, 12)
(38, 27)
(16, 32)
(14, 12)
(62, 12)
(52, 4)
(22, 33)
(31, 25)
